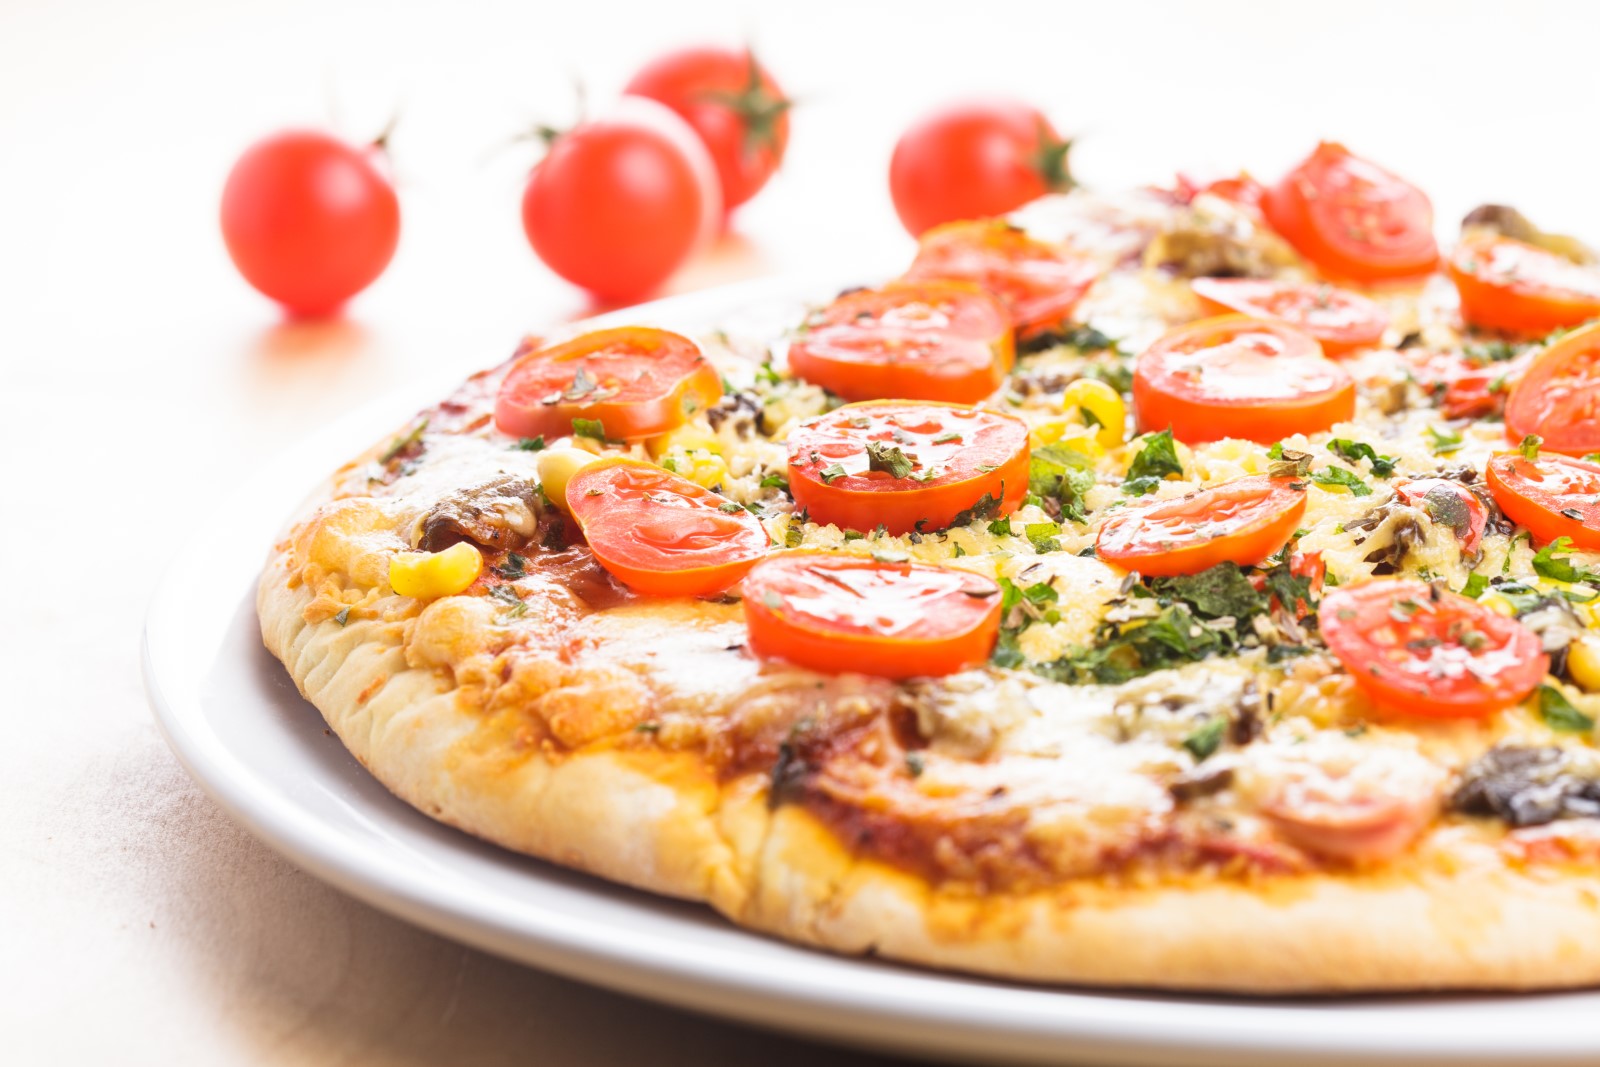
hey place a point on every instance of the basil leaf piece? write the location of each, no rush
(1339, 477)
(882, 456)
(1156, 459)
(1559, 714)
(1206, 738)
(1344, 448)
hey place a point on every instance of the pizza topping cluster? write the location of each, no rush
(1284, 538)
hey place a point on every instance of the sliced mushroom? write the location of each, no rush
(504, 512)
(1507, 221)
(1527, 785)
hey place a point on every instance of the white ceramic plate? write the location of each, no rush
(235, 720)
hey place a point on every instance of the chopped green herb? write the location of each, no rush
(793, 535)
(1338, 476)
(1000, 527)
(915, 764)
(1559, 714)
(1551, 562)
(985, 507)
(513, 568)
(831, 472)
(1218, 591)
(1530, 446)
(592, 428)
(882, 456)
(1206, 738)
(730, 507)
(514, 607)
(1344, 448)
(1064, 475)
(1157, 459)
(947, 437)
(1442, 442)
(1043, 536)
(530, 444)
(343, 616)
(1475, 587)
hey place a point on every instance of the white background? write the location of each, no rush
(138, 375)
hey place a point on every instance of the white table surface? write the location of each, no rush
(137, 374)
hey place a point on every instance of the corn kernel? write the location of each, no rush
(556, 466)
(430, 575)
(1104, 403)
(1583, 662)
(1497, 603)
(688, 438)
(699, 466)
(1068, 433)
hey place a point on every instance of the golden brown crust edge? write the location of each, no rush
(667, 826)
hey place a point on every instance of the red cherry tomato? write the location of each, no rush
(973, 161)
(732, 103)
(1352, 218)
(1039, 284)
(1339, 320)
(1508, 285)
(660, 533)
(845, 466)
(1241, 190)
(1423, 652)
(1449, 504)
(620, 202)
(1558, 396)
(1553, 496)
(1234, 376)
(1466, 388)
(835, 613)
(635, 381)
(947, 341)
(1243, 521)
(309, 220)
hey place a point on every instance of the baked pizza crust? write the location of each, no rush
(662, 821)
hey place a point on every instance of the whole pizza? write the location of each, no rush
(1192, 587)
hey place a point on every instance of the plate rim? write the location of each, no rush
(1033, 1023)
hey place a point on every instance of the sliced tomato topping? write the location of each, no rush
(1507, 284)
(948, 341)
(1421, 651)
(836, 613)
(1553, 496)
(1243, 521)
(907, 466)
(1463, 387)
(1558, 397)
(662, 534)
(1038, 283)
(634, 381)
(1337, 319)
(1241, 189)
(1449, 504)
(1235, 376)
(1352, 218)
